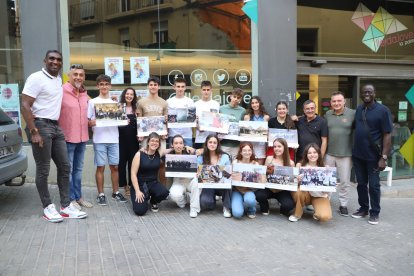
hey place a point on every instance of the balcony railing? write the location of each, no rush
(86, 12)
(119, 8)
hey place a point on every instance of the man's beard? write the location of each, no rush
(78, 85)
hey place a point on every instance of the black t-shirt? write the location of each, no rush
(311, 132)
(274, 123)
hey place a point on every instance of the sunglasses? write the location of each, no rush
(76, 66)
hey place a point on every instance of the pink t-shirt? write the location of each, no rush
(74, 115)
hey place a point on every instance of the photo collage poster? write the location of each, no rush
(211, 121)
(181, 165)
(249, 175)
(282, 178)
(182, 117)
(214, 176)
(318, 179)
(146, 125)
(290, 135)
(110, 114)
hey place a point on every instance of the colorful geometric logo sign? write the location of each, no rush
(250, 9)
(376, 26)
(407, 150)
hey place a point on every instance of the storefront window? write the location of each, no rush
(197, 40)
(356, 29)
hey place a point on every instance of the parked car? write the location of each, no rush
(13, 161)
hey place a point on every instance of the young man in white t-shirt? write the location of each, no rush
(105, 144)
(205, 104)
(180, 101)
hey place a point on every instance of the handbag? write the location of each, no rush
(376, 146)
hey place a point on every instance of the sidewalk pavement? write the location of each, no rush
(113, 241)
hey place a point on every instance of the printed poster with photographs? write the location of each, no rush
(182, 117)
(180, 165)
(233, 133)
(318, 179)
(139, 69)
(110, 114)
(214, 176)
(253, 131)
(146, 125)
(282, 178)
(9, 101)
(114, 68)
(211, 121)
(290, 135)
(249, 175)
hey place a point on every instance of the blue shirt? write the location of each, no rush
(224, 160)
(379, 122)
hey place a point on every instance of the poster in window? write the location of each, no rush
(114, 68)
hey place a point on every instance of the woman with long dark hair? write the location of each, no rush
(257, 112)
(282, 121)
(312, 157)
(128, 141)
(280, 158)
(213, 155)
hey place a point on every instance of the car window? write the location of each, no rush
(4, 119)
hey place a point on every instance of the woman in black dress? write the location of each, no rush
(128, 141)
(144, 175)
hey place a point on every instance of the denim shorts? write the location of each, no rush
(106, 153)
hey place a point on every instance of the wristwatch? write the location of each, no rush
(385, 157)
(34, 131)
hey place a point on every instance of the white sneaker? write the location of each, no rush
(72, 212)
(50, 214)
(193, 213)
(310, 208)
(293, 218)
(76, 205)
(226, 212)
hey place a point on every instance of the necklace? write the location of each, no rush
(151, 157)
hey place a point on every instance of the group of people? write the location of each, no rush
(58, 118)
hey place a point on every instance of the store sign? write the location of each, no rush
(380, 28)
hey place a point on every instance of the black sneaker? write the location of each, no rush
(373, 219)
(360, 214)
(343, 211)
(119, 197)
(154, 208)
(101, 200)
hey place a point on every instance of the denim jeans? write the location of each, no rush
(76, 154)
(367, 175)
(238, 200)
(54, 147)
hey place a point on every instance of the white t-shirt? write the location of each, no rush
(177, 103)
(210, 106)
(47, 90)
(102, 134)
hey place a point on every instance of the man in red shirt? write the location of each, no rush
(74, 122)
